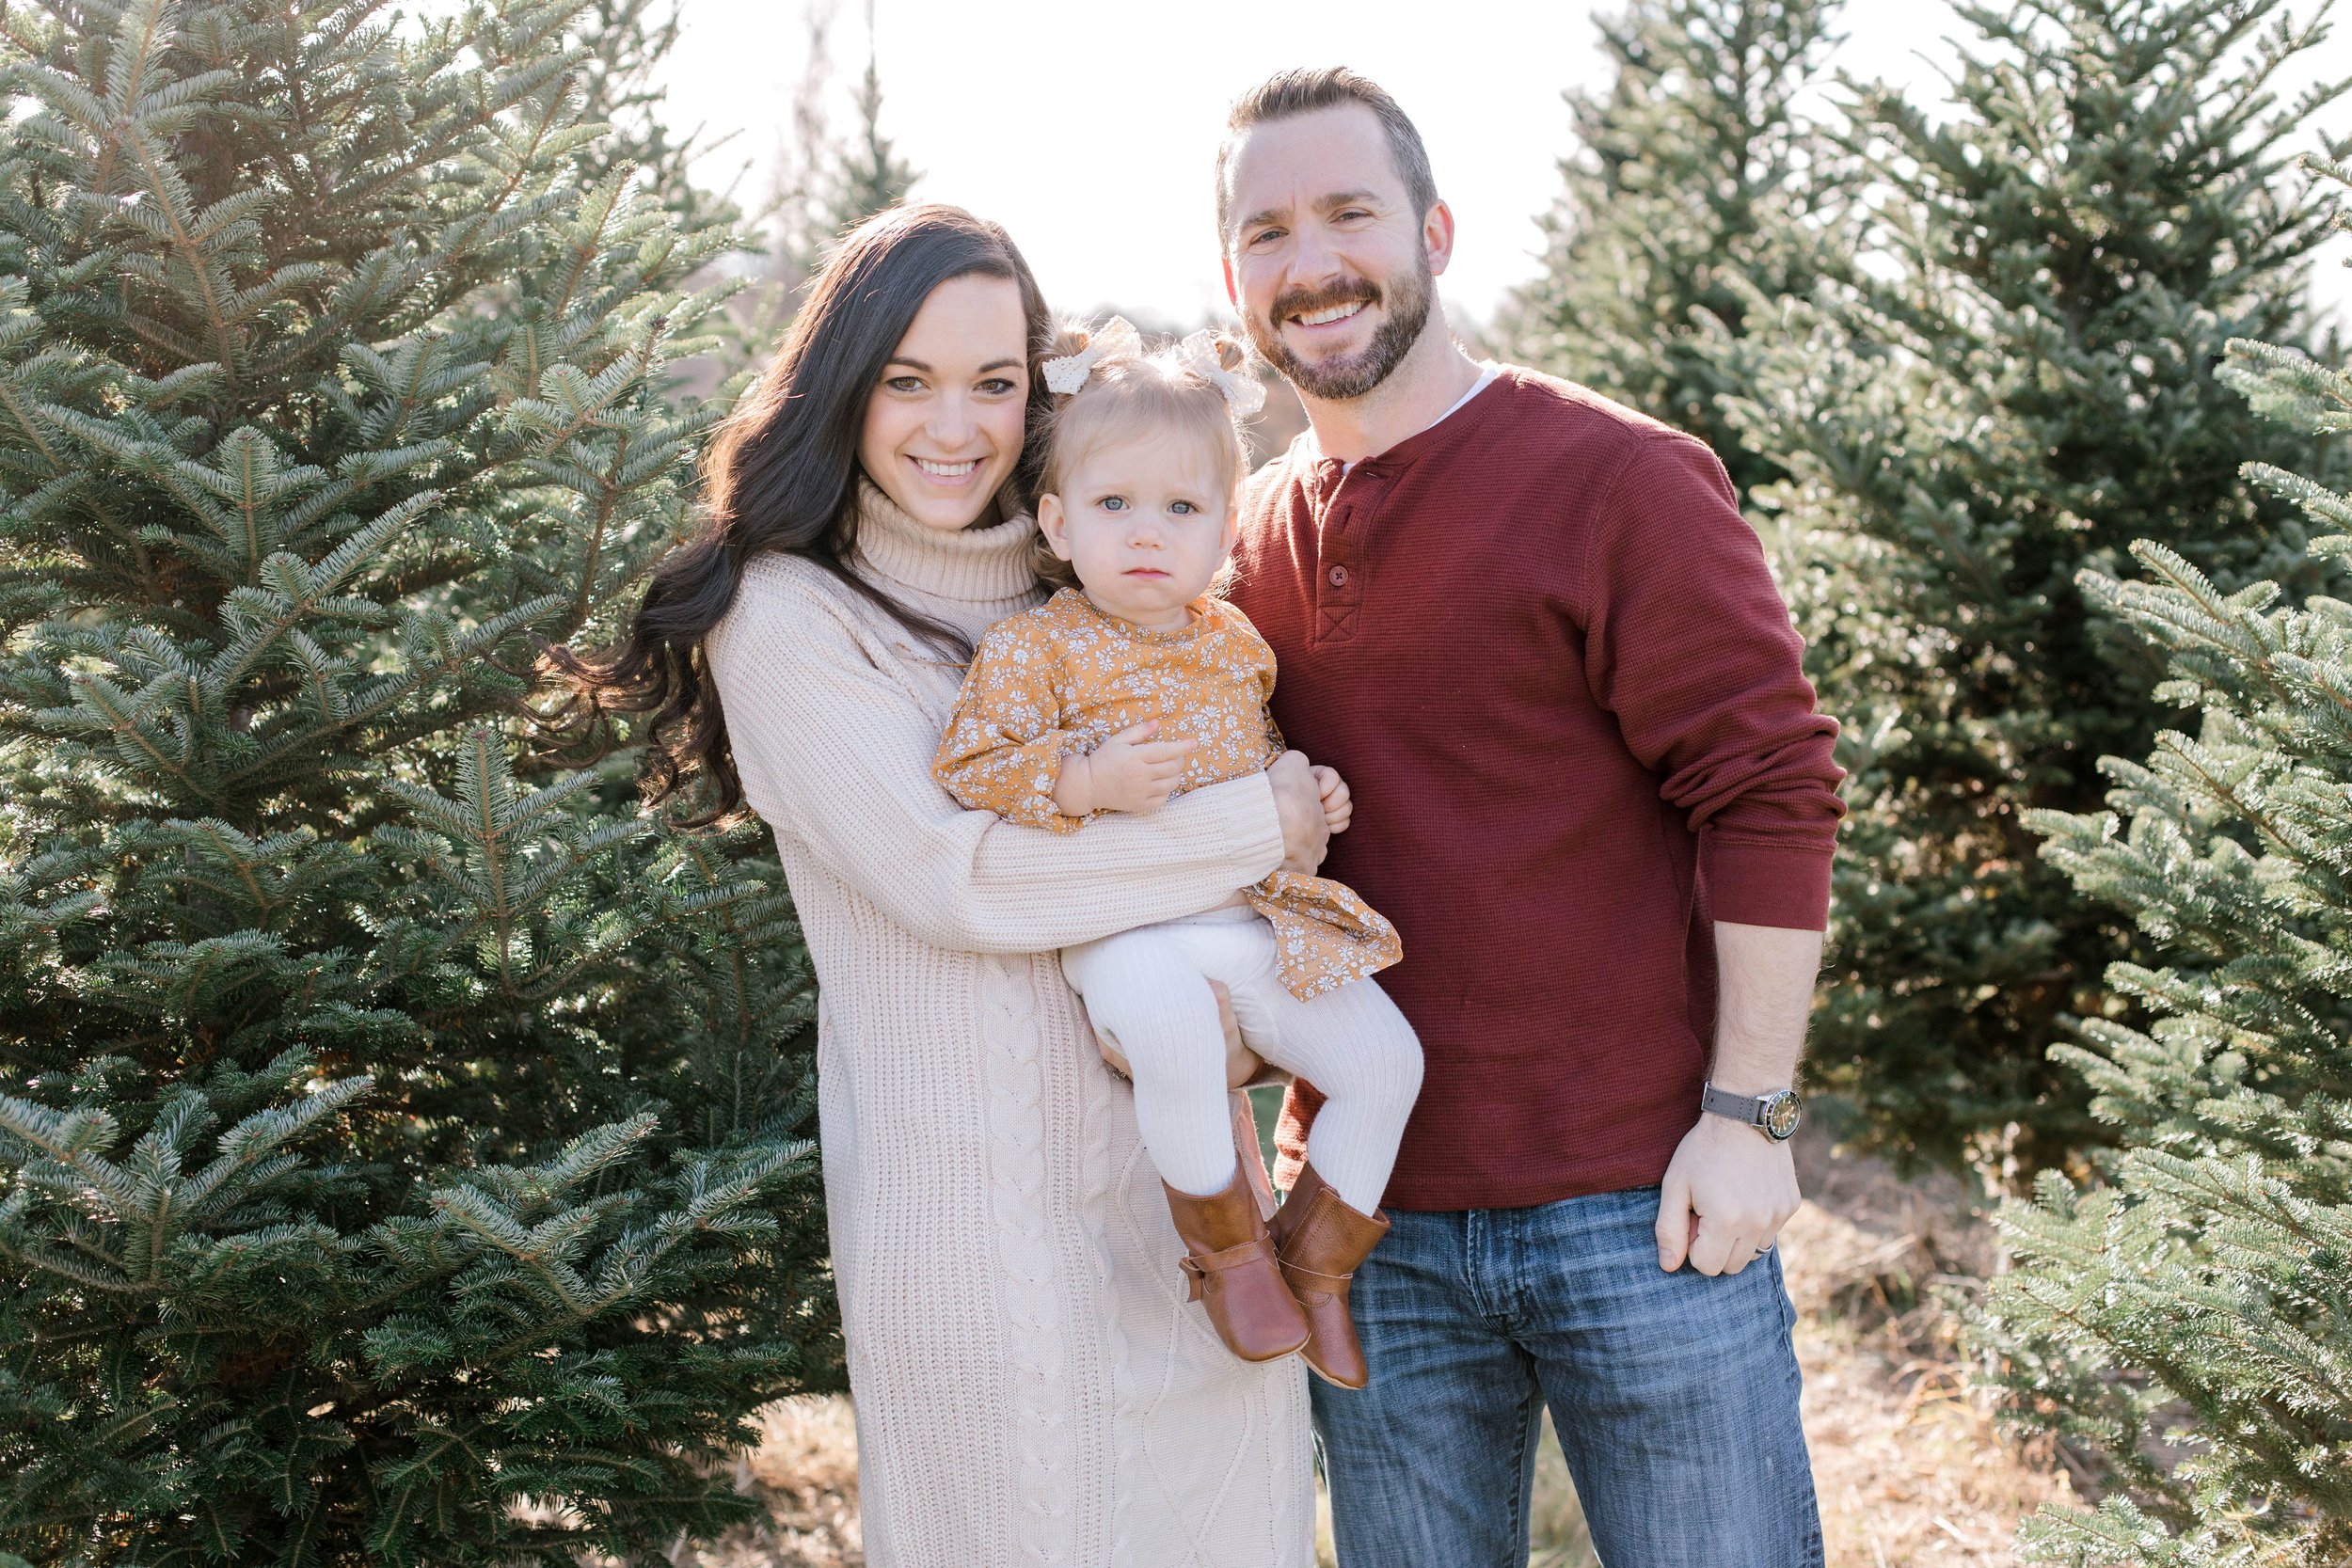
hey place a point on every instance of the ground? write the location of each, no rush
(1912, 1473)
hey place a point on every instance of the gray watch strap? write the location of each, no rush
(1747, 1108)
(1774, 1115)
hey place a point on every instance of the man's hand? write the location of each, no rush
(1130, 772)
(1298, 799)
(1727, 1192)
(1338, 805)
(1241, 1063)
(1729, 1188)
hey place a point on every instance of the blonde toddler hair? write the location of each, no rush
(1127, 393)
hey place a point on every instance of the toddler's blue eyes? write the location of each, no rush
(1118, 503)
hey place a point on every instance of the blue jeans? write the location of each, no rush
(1675, 1396)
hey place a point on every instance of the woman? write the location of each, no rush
(1032, 1385)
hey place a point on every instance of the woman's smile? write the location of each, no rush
(950, 476)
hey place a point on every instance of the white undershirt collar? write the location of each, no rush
(1487, 371)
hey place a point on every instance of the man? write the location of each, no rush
(1534, 629)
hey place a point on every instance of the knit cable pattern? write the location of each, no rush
(1029, 1276)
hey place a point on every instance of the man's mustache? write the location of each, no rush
(1301, 302)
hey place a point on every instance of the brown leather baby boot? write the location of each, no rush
(1320, 1240)
(1233, 1274)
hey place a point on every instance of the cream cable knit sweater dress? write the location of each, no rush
(1032, 1387)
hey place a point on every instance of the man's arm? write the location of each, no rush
(1688, 643)
(1729, 1188)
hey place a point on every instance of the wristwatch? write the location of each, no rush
(1774, 1115)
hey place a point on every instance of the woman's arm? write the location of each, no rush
(836, 753)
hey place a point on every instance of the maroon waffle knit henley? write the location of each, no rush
(1543, 647)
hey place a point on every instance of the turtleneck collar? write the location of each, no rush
(985, 563)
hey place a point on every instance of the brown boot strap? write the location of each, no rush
(1339, 1279)
(1200, 1265)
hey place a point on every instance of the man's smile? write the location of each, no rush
(1327, 316)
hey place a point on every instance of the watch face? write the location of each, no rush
(1781, 1114)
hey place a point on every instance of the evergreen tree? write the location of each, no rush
(1695, 169)
(870, 176)
(823, 183)
(626, 40)
(2016, 386)
(398, 1155)
(2199, 1302)
(805, 155)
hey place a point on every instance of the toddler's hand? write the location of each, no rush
(1338, 805)
(1130, 772)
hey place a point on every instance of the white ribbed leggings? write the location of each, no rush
(1147, 990)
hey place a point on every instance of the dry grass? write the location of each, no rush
(1910, 1470)
(805, 1469)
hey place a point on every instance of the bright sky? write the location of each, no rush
(1088, 129)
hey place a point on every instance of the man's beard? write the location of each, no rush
(1336, 380)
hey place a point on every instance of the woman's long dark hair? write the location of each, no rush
(780, 475)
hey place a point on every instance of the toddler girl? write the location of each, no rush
(1137, 684)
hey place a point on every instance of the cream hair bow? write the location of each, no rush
(1116, 337)
(1243, 393)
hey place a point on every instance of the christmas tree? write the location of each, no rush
(870, 176)
(2189, 1320)
(1695, 170)
(619, 88)
(399, 1132)
(2014, 383)
(828, 181)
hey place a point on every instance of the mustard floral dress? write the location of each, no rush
(1064, 677)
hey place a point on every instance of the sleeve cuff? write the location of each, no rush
(1246, 823)
(1766, 884)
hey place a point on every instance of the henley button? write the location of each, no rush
(1339, 577)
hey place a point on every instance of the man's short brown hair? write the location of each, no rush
(1299, 92)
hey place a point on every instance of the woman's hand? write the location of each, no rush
(1298, 799)
(1339, 806)
(1241, 1063)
